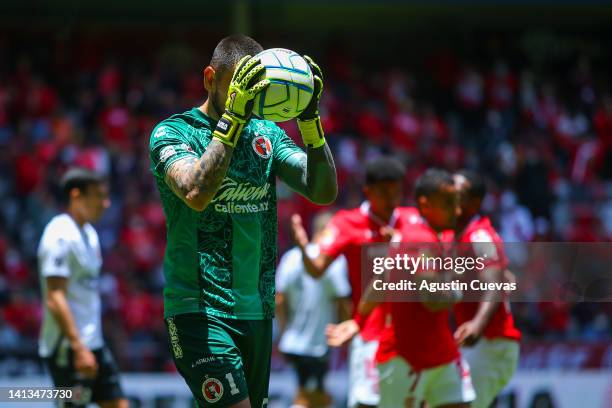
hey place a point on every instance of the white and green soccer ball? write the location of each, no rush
(291, 85)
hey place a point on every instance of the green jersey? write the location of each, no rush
(221, 261)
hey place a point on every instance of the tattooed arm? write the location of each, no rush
(196, 181)
(313, 174)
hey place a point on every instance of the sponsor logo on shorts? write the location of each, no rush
(174, 339)
(81, 394)
(212, 390)
(262, 146)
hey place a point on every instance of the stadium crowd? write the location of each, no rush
(541, 134)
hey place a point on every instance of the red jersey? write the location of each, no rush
(480, 230)
(420, 336)
(409, 215)
(386, 348)
(345, 234)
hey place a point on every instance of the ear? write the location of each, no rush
(422, 202)
(209, 77)
(74, 193)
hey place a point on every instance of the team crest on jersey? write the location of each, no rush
(262, 146)
(212, 389)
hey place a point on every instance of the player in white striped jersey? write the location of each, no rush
(70, 259)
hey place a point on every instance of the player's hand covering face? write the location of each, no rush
(246, 83)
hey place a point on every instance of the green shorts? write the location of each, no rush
(223, 361)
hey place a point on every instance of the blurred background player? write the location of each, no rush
(70, 260)
(418, 359)
(305, 306)
(345, 235)
(486, 330)
(220, 258)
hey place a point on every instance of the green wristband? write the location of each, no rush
(312, 132)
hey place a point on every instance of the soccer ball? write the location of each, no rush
(291, 85)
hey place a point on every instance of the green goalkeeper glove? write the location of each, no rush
(239, 105)
(309, 122)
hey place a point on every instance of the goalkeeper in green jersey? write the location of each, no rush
(215, 167)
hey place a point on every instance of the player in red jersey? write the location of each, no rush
(485, 329)
(346, 233)
(418, 359)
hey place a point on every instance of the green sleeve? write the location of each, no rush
(290, 162)
(166, 146)
(284, 148)
(312, 174)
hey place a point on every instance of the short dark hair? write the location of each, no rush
(79, 178)
(231, 49)
(477, 187)
(384, 168)
(430, 182)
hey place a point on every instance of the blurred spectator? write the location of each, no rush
(406, 127)
(9, 337)
(516, 222)
(23, 313)
(602, 122)
(470, 95)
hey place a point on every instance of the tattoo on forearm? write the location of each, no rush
(210, 170)
(178, 176)
(201, 178)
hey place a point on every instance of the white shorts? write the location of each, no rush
(363, 375)
(492, 364)
(400, 386)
